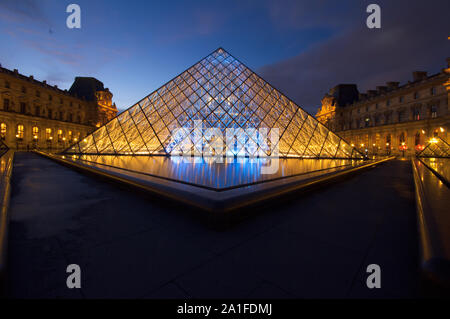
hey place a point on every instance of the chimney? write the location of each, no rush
(381, 89)
(419, 75)
(392, 85)
(31, 77)
(55, 86)
(16, 71)
(45, 82)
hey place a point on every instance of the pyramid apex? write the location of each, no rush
(220, 50)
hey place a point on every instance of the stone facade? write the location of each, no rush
(34, 114)
(392, 119)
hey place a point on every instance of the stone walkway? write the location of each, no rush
(131, 247)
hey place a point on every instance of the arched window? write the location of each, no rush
(20, 130)
(48, 134)
(35, 132)
(69, 134)
(3, 131)
(60, 135)
(417, 139)
(388, 140)
(402, 138)
(436, 132)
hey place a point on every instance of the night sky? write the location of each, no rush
(302, 47)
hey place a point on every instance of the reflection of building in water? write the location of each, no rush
(34, 114)
(391, 118)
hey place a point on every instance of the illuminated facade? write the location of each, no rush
(216, 107)
(34, 114)
(392, 119)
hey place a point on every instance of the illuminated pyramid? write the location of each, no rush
(217, 94)
(437, 147)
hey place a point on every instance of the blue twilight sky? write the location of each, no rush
(302, 47)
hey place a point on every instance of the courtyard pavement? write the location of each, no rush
(129, 246)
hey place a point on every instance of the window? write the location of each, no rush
(416, 95)
(377, 119)
(19, 134)
(23, 107)
(401, 116)
(6, 104)
(24, 90)
(376, 106)
(417, 139)
(388, 141)
(416, 114)
(70, 117)
(402, 138)
(388, 102)
(61, 101)
(48, 134)
(60, 135)
(37, 111)
(433, 111)
(436, 133)
(400, 99)
(61, 116)
(433, 91)
(50, 97)
(35, 132)
(49, 113)
(3, 131)
(78, 119)
(7, 85)
(367, 122)
(38, 94)
(71, 104)
(387, 119)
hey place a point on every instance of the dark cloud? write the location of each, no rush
(413, 37)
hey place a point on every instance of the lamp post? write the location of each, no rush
(403, 149)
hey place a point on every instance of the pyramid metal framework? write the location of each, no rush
(436, 148)
(218, 93)
(3, 148)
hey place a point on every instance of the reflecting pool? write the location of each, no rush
(207, 172)
(440, 165)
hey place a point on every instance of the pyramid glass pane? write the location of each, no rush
(218, 106)
(436, 147)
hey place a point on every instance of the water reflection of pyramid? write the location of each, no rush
(218, 92)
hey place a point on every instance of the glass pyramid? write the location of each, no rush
(436, 148)
(193, 112)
